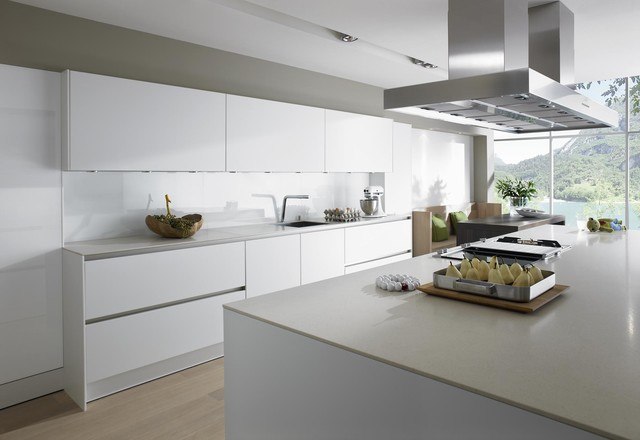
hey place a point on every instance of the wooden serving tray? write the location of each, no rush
(527, 307)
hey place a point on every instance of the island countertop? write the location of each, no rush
(576, 360)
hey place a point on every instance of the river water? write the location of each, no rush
(575, 212)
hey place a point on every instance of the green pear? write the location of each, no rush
(475, 262)
(495, 277)
(453, 271)
(523, 280)
(472, 274)
(506, 274)
(493, 263)
(465, 266)
(483, 270)
(516, 269)
(536, 274)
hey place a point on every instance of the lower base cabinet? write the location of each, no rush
(272, 264)
(165, 313)
(376, 263)
(376, 245)
(120, 345)
(172, 321)
(322, 255)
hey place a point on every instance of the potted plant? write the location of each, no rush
(517, 191)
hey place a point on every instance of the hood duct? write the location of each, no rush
(506, 66)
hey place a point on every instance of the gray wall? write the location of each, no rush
(41, 39)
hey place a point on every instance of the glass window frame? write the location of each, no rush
(627, 132)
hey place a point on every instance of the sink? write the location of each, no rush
(303, 224)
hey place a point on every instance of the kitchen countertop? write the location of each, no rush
(576, 360)
(139, 244)
(514, 220)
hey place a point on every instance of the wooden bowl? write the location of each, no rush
(167, 231)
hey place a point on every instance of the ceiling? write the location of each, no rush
(301, 33)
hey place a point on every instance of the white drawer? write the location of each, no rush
(371, 242)
(123, 344)
(376, 263)
(121, 284)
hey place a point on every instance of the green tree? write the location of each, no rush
(615, 93)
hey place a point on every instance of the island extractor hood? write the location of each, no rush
(507, 67)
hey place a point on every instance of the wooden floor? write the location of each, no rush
(185, 405)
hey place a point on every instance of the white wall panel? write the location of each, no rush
(30, 232)
(442, 168)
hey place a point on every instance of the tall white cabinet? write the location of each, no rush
(117, 124)
(30, 235)
(398, 183)
(273, 136)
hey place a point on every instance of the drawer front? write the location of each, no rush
(273, 264)
(376, 263)
(371, 242)
(118, 285)
(123, 344)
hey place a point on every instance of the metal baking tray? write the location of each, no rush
(500, 291)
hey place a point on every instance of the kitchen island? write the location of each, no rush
(476, 229)
(343, 359)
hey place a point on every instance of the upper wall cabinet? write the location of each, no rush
(116, 124)
(273, 136)
(358, 143)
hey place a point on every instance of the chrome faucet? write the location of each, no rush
(284, 203)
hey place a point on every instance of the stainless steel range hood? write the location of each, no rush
(494, 47)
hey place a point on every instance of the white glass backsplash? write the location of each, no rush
(442, 168)
(114, 204)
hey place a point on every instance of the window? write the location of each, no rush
(634, 181)
(525, 159)
(589, 175)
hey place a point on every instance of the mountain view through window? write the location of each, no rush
(589, 166)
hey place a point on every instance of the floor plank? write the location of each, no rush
(188, 405)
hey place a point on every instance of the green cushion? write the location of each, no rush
(439, 230)
(456, 217)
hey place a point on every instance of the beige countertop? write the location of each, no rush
(117, 247)
(576, 360)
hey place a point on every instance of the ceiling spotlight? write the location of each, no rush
(347, 38)
(424, 64)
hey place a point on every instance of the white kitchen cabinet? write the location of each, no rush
(358, 143)
(373, 242)
(273, 136)
(398, 183)
(376, 263)
(116, 285)
(272, 264)
(130, 319)
(30, 235)
(322, 255)
(117, 124)
(124, 344)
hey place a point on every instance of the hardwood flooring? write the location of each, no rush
(188, 405)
